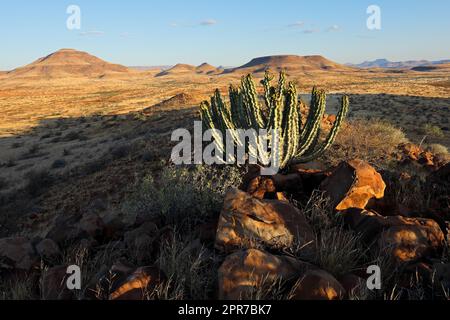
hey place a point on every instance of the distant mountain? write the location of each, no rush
(206, 68)
(433, 67)
(147, 68)
(290, 63)
(186, 69)
(178, 69)
(384, 63)
(68, 63)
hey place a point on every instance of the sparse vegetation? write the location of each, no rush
(432, 131)
(38, 181)
(182, 195)
(59, 163)
(118, 183)
(370, 140)
(339, 250)
(437, 149)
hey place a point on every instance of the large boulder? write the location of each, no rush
(245, 220)
(18, 254)
(243, 273)
(48, 249)
(410, 243)
(370, 224)
(438, 184)
(353, 184)
(318, 285)
(403, 239)
(64, 229)
(92, 224)
(141, 240)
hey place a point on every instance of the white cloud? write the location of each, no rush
(208, 22)
(92, 33)
(298, 24)
(309, 31)
(334, 28)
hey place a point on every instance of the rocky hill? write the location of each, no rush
(291, 63)
(68, 63)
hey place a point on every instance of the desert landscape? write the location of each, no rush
(86, 179)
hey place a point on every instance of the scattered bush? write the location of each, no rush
(183, 193)
(33, 149)
(74, 135)
(373, 141)
(59, 163)
(3, 183)
(432, 131)
(120, 151)
(10, 163)
(37, 181)
(339, 251)
(437, 149)
(16, 145)
(16, 289)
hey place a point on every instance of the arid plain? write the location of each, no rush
(78, 134)
(48, 105)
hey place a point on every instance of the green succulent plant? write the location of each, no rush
(298, 137)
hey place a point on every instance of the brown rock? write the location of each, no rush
(65, 229)
(410, 151)
(54, 286)
(17, 253)
(48, 248)
(245, 219)
(244, 272)
(352, 184)
(267, 187)
(403, 239)
(92, 224)
(138, 285)
(142, 239)
(370, 224)
(318, 285)
(409, 243)
(427, 159)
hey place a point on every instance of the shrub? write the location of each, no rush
(3, 183)
(74, 135)
(37, 181)
(371, 140)
(432, 131)
(58, 164)
(120, 151)
(190, 268)
(339, 250)
(436, 148)
(183, 193)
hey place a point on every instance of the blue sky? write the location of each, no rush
(224, 32)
